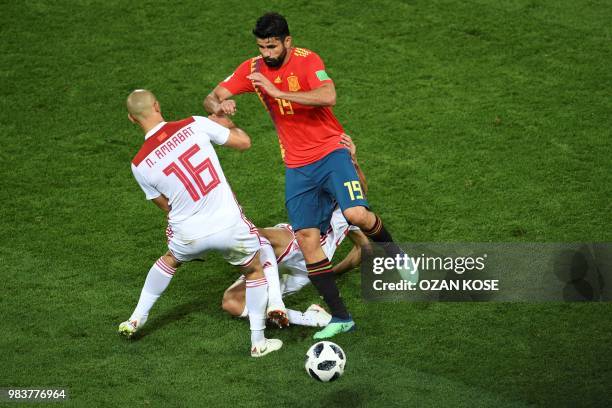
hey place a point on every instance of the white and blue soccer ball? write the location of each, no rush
(325, 361)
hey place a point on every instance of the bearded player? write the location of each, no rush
(298, 94)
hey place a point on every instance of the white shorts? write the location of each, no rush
(238, 245)
(292, 257)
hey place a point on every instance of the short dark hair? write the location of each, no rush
(271, 25)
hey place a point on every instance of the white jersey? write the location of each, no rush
(178, 161)
(292, 259)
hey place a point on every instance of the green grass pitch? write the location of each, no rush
(475, 121)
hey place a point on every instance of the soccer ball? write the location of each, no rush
(325, 361)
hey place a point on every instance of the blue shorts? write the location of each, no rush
(312, 191)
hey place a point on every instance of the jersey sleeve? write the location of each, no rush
(315, 71)
(216, 133)
(149, 190)
(238, 82)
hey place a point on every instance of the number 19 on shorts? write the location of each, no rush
(354, 189)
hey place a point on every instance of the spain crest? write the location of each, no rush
(294, 84)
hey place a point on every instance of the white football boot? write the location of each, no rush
(318, 315)
(266, 347)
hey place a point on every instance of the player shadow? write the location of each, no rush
(174, 315)
(206, 303)
(345, 397)
(293, 333)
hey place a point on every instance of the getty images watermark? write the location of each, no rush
(527, 272)
(409, 268)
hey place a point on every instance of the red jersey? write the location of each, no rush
(306, 133)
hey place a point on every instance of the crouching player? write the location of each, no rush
(178, 169)
(287, 257)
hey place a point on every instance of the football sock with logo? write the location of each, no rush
(323, 278)
(256, 300)
(157, 281)
(270, 268)
(379, 234)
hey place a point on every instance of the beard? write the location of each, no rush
(276, 62)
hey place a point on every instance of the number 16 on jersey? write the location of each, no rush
(195, 171)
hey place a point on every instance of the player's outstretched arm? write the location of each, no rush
(353, 258)
(218, 103)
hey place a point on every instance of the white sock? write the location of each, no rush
(156, 283)
(256, 300)
(297, 317)
(270, 268)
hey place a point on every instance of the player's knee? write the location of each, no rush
(170, 260)
(253, 270)
(308, 239)
(358, 216)
(254, 274)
